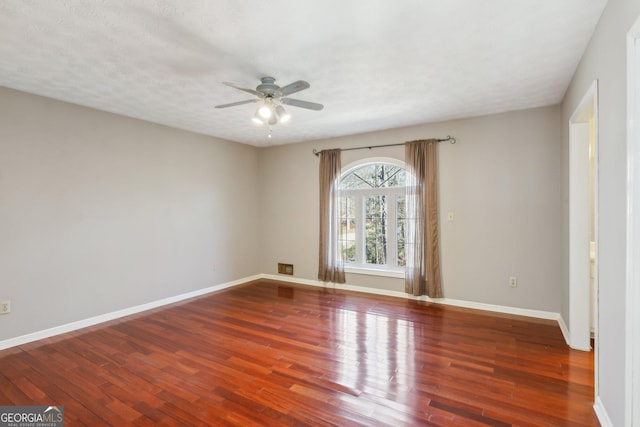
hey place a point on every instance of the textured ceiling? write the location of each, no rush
(374, 64)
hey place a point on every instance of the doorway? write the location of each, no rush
(583, 223)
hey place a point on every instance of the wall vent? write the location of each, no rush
(285, 268)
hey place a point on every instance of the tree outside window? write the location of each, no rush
(373, 216)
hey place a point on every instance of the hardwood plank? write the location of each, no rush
(281, 354)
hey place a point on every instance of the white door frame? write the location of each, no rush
(579, 230)
(632, 386)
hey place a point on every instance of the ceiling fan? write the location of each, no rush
(271, 98)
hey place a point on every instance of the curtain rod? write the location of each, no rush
(448, 138)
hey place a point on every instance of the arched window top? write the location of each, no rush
(376, 174)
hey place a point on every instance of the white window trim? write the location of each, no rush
(370, 269)
(385, 272)
(369, 160)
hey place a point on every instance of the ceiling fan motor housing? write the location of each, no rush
(268, 87)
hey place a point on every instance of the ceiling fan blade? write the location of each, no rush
(251, 91)
(294, 87)
(302, 104)
(233, 104)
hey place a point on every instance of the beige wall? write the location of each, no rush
(502, 180)
(100, 212)
(605, 60)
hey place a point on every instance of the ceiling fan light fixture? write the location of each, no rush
(282, 114)
(265, 111)
(257, 119)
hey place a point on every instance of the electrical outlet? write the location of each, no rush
(5, 307)
(513, 281)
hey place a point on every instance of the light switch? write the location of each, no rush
(450, 216)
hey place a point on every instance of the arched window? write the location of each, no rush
(373, 216)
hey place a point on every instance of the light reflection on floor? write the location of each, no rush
(379, 351)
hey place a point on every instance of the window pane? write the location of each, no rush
(375, 230)
(379, 175)
(347, 238)
(373, 192)
(401, 222)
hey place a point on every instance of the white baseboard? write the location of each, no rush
(601, 413)
(343, 287)
(69, 327)
(548, 315)
(564, 329)
(448, 301)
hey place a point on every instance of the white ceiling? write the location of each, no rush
(374, 64)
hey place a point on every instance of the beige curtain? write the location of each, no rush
(330, 264)
(422, 273)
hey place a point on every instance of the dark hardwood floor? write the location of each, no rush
(270, 353)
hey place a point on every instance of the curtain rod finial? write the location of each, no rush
(316, 152)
